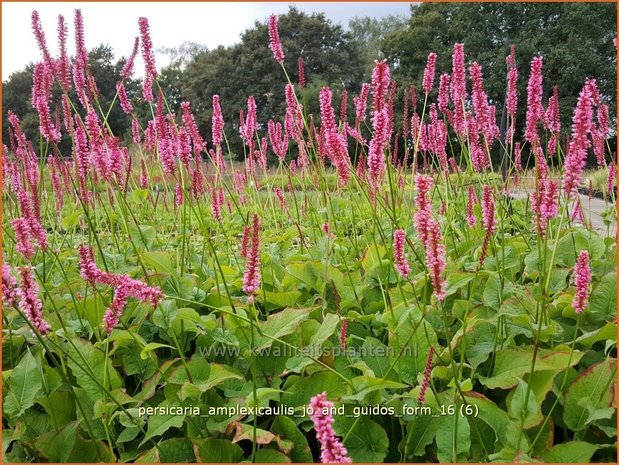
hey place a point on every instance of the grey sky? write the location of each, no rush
(171, 23)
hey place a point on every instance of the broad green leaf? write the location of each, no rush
(603, 300)
(453, 439)
(281, 324)
(161, 262)
(286, 429)
(363, 385)
(217, 451)
(270, 456)
(606, 332)
(570, 452)
(24, 385)
(298, 391)
(159, 424)
(421, 432)
(592, 388)
(143, 236)
(523, 408)
(510, 365)
(71, 220)
(489, 413)
(326, 330)
(278, 299)
(139, 196)
(92, 370)
(57, 446)
(176, 450)
(457, 280)
(365, 440)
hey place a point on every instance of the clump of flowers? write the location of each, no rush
(124, 287)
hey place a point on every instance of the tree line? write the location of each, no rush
(576, 40)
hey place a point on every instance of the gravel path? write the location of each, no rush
(592, 209)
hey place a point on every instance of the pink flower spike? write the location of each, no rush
(9, 283)
(428, 74)
(274, 41)
(435, 257)
(401, 264)
(331, 448)
(302, 79)
(252, 278)
(582, 280)
(471, 220)
(29, 303)
(427, 373)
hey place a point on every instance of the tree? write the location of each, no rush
(576, 40)
(368, 35)
(248, 68)
(16, 96)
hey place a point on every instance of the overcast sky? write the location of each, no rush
(171, 24)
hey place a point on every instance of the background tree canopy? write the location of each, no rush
(576, 40)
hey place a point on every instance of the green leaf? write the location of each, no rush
(458, 280)
(176, 450)
(326, 330)
(512, 364)
(603, 300)
(278, 299)
(298, 391)
(525, 410)
(570, 245)
(159, 424)
(144, 354)
(364, 385)
(92, 370)
(606, 332)
(453, 439)
(217, 451)
(590, 391)
(570, 452)
(281, 324)
(143, 236)
(24, 385)
(71, 220)
(286, 429)
(421, 432)
(161, 262)
(490, 414)
(365, 440)
(139, 196)
(270, 456)
(57, 446)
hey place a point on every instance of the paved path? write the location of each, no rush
(592, 209)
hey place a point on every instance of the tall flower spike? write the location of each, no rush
(149, 59)
(302, 79)
(428, 74)
(331, 449)
(218, 122)
(9, 294)
(29, 302)
(535, 110)
(427, 373)
(582, 280)
(471, 220)
(401, 264)
(252, 278)
(274, 41)
(435, 257)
